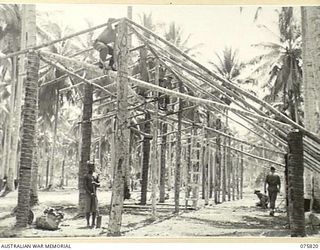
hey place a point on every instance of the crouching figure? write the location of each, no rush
(263, 199)
(50, 220)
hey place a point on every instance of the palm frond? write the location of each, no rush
(269, 45)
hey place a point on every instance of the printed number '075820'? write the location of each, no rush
(309, 245)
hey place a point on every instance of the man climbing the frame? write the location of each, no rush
(90, 185)
(274, 185)
(104, 45)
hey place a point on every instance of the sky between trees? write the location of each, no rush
(213, 26)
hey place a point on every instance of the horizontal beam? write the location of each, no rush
(43, 45)
(251, 155)
(229, 84)
(76, 76)
(201, 101)
(70, 62)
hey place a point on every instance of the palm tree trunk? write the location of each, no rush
(169, 162)
(47, 171)
(163, 163)
(17, 112)
(145, 159)
(35, 163)
(147, 129)
(86, 131)
(29, 120)
(295, 178)
(5, 149)
(34, 177)
(211, 172)
(311, 61)
(27, 142)
(53, 162)
(10, 153)
(62, 171)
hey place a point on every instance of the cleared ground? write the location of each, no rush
(240, 218)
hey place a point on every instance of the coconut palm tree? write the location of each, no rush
(10, 26)
(228, 66)
(175, 35)
(280, 67)
(29, 122)
(49, 96)
(147, 21)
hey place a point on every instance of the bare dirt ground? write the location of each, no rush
(240, 218)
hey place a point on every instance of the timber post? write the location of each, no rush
(224, 170)
(295, 184)
(177, 183)
(241, 173)
(217, 186)
(121, 133)
(229, 168)
(155, 162)
(237, 175)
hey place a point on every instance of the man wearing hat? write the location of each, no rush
(274, 185)
(90, 185)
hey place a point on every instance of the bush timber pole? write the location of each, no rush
(122, 133)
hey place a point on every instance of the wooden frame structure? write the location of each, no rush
(194, 87)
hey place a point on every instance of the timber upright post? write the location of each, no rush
(177, 181)
(217, 171)
(237, 176)
(155, 162)
(206, 166)
(122, 131)
(295, 184)
(241, 173)
(229, 168)
(224, 170)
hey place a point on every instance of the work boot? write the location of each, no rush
(88, 219)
